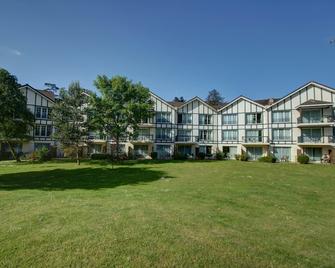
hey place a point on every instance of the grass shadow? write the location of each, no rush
(81, 178)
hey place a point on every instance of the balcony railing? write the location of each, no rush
(255, 139)
(309, 120)
(281, 139)
(164, 139)
(144, 138)
(181, 138)
(316, 140)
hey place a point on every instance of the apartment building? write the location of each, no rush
(301, 122)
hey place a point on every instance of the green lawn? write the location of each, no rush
(212, 213)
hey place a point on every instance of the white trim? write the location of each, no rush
(198, 99)
(239, 98)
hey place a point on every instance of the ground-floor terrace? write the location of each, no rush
(145, 150)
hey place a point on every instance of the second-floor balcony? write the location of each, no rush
(316, 139)
(143, 138)
(97, 136)
(322, 120)
(186, 139)
(255, 139)
(163, 139)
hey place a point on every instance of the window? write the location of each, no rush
(282, 153)
(184, 135)
(314, 154)
(205, 119)
(254, 118)
(163, 134)
(230, 151)
(253, 135)
(184, 118)
(205, 135)
(163, 151)
(205, 149)
(38, 112)
(37, 130)
(44, 112)
(49, 130)
(229, 119)
(163, 117)
(281, 134)
(229, 135)
(311, 134)
(185, 149)
(43, 130)
(254, 152)
(311, 116)
(281, 116)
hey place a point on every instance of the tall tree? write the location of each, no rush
(214, 97)
(121, 107)
(181, 99)
(70, 119)
(16, 120)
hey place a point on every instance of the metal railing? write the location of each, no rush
(185, 138)
(255, 139)
(307, 120)
(316, 140)
(143, 138)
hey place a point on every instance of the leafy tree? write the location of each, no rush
(181, 99)
(16, 120)
(69, 117)
(121, 107)
(214, 97)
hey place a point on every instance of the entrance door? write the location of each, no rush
(254, 153)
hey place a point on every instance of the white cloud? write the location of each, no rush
(12, 51)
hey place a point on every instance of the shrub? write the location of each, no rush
(268, 159)
(237, 156)
(303, 159)
(244, 157)
(6, 156)
(99, 156)
(201, 156)
(154, 155)
(43, 154)
(220, 156)
(179, 156)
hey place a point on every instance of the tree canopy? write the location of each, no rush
(69, 117)
(16, 120)
(120, 108)
(214, 97)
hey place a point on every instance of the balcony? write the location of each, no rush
(315, 121)
(186, 139)
(316, 140)
(97, 137)
(164, 139)
(143, 139)
(255, 139)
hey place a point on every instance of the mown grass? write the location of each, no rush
(227, 214)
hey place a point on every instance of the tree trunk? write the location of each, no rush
(117, 148)
(13, 152)
(77, 155)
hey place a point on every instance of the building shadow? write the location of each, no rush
(81, 178)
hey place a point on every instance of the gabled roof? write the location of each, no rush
(241, 98)
(198, 99)
(44, 93)
(176, 103)
(311, 83)
(162, 100)
(266, 102)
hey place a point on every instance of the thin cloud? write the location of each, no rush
(12, 51)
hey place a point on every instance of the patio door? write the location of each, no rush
(311, 134)
(254, 152)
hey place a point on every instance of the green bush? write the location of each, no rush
(6, 156)
(244, 157)
(303, 159)
(43, 154)
(201, 156)
(154, 155)
(220, 156)
(268, 159)
(99, 156)
(179, 156)
(237, 157)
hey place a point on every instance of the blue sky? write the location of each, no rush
(176, 48)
